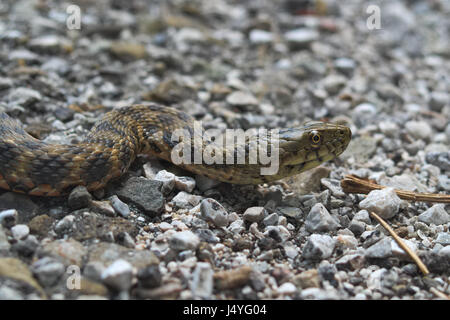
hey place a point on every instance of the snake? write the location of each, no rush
(38, 168)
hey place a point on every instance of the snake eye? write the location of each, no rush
(315, 137)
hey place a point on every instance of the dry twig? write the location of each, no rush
(354, 184)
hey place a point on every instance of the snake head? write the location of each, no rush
(313, 143)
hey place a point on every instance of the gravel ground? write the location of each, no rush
(160, 232)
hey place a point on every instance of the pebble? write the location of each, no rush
(79, 198)
(287, 288)
(214, 212)
(318, 247)
(271, 220)
(443, 238)
(345, 65)
(381, 249)
(144, 193)
(255, 214)
(203, 281)
(320, 220)
(48, 271)
(150, 277)
(439, 159)
(8, 218)
(383, 202)
(307, 279)
(65, 224)
(435, 215)
(185, 183)
(301, 38)
(167, 179)
(260, 36)
(419, 129)
(438, 100)
(334, 83)
(184, 240)
(118, 275)
(290, 212)
(20, 231)
(119, 206)
(241, 98)
(24, 97)
(185, 200)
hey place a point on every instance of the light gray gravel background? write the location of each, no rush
(162, 233)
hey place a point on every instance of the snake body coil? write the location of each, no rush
(34, 167)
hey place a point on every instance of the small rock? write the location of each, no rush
(103, 207)
(144, 193)
(350, 262)
(291, 212)
(167, 179)
(307, 279)
(320, 220)
(334, 83)
(214, 212)
(383, 202)
(345, 65)
(260, 36)
(357, 227)
(254, 214)
(439, 159)
(271, 220)
(48, 271)
(438, 100)
(79, 198)
(241, 98)
(318, 247)
(301, 38)
(419, 129)
(363, 216)
(381, 249)
(20, 231)
(287, 288)
(185, 200)
(118, 275)
(119, 206)
(202, 283)
(65, 224)
(8, 218)
(184, 240)
(150, 277)
(435, 215)
(443, 238)
(124, 239)
(185, 183)
(24, 96)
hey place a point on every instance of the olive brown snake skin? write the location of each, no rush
(34, 167)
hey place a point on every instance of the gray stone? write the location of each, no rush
(214, 212)
(118, 275)
(260, 36)
(271, 220)
(241, 98)
(184, 240)
(345, 65)
(24, 96)
(301, 38)
(334, 83)
(119, 206)
(167, 179)
(419, 129)
(318, 247)
(48, 271)
(185, 183)
(291, 212)
(439, 159)
(435, 215)
(79, 198)
(8, 218)
(20, 231)
(363, 216)
(202, 283)
(150, 277)
(320, 220)
(185, 200)
(357, 226)
(381, 249)
(65, 224)
(443, 238)
(144, 193)
(438, 100)
(254, 214)
(383, 202)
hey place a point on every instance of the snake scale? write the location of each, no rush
(34, 167)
